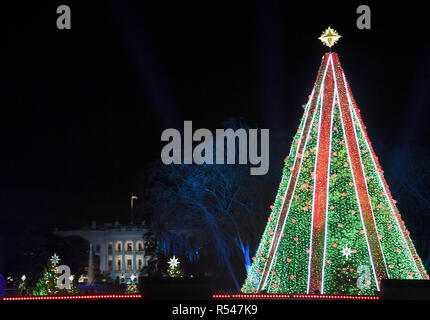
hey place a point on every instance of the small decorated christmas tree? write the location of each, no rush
(73, 289)
(132, 287)
(174, 269)
(23, 289)
(47, 284)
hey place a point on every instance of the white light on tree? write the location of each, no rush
(346, 252)
(55, 259)
(173, 262)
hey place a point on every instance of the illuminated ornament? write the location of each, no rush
(173, 262)
(55, 259)
(329, 37)
(346, 252)
(23, 277)
(132, 277)
(71, 277)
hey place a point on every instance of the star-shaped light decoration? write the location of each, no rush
(23, 277)
(55, 259)
(329, 37)
(71, 277)
(173, 262)
(346, 252)
(132, 277)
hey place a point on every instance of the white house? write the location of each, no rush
(120, 248)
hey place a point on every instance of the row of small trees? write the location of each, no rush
(48, 284)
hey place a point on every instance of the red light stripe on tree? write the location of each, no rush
(321, 185)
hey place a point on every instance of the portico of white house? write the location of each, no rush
(120, 248)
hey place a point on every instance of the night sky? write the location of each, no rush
(83, 109)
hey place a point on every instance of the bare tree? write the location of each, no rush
(207, 208)
(199, 206)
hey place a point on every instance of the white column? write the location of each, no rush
(123, 257)
(104, 249)
(134, 244)
(113, 256)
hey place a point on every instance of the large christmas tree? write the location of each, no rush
(334, 222)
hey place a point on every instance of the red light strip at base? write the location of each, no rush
(294, 296)
(77, 297)
(333, 297)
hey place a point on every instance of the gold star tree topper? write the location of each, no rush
(329, 37)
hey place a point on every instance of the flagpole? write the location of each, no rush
(131, 208)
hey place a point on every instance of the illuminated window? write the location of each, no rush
(129, 246)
